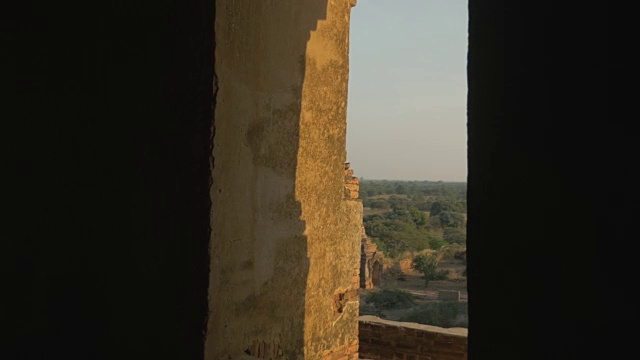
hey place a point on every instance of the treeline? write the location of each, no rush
(414, 215)
(452, 190)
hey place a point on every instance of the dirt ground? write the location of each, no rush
(414, 284)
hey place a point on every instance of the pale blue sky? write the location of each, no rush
(408, 90)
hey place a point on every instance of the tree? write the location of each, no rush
(427, 265)
(419, 218)
(434, 222)
(455, 235)
(435, 241)
(451, 219)
(445, 205)
(379, 204)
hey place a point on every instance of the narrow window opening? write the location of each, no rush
(407, 140)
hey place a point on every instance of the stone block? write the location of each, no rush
(352, 180)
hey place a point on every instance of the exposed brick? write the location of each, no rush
(459, 340)
(352, 187)
(385, 342)
(382, 342)
(445, 352)
(443, 341)
(426, 344)
(352, 180)
(427, 335)
(453, 348)
(410, 332)
(407, 346)
(449, 357)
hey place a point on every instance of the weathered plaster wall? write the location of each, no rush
(285, 241)
(392, 340)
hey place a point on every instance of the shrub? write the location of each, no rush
(389, 299)
(368, 309)
(441, 275)
(435, 242)
(453, 251)
(455, 235)
(443, 314)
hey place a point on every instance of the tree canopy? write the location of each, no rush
(414, 215)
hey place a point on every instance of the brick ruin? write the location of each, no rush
(352, 193)
(351, 183)
(371, 259)
(371, 263)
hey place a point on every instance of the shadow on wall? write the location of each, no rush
(112, 254)
(259, 263)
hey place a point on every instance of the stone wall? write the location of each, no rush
(285, 242)
(391, 340)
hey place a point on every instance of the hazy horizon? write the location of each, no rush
(406, 112)
(362, 178)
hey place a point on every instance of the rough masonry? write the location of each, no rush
(392, 340)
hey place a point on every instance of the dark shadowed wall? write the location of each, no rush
(109, 230)
(550, 183)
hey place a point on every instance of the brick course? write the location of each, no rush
(392, 340)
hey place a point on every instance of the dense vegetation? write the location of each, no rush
(414, 215)
(445, 314)
(390, 299)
